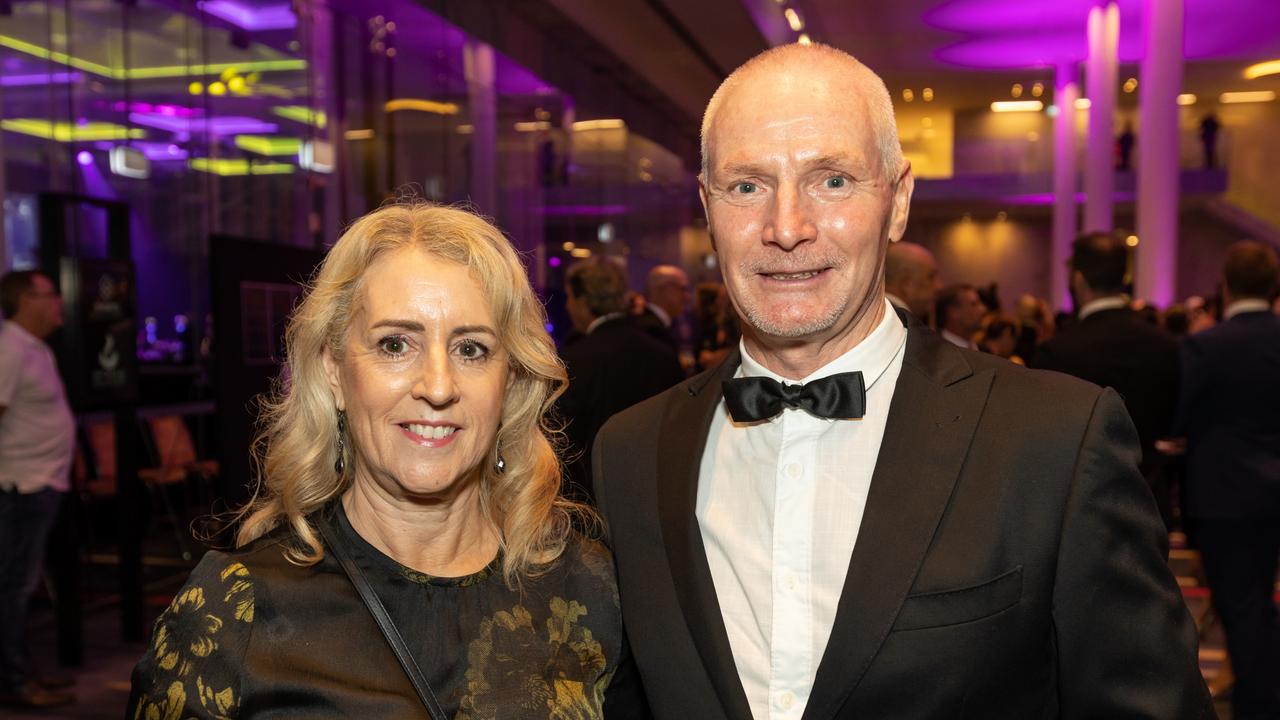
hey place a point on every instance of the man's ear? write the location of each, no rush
(902, 191)
(333, 373)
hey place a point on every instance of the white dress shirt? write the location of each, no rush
(779, 507)
(1244, 306)
(37, 429)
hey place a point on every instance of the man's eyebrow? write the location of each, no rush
(832, 160)
(744, 169)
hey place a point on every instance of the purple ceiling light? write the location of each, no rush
(229, 125)
(267, 17)
(56, 78)
(1039, 33)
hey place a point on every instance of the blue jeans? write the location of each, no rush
(25, 523)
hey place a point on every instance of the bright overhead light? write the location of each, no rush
(146, 73)
(604, 124)
(927, 94)
(71, 132)
(1130, 85)
(793, 19)
(1131, 241)
(1187, 99)
(1016, 90)
(908, 94)
(1083, 103)
(1037, 89)
(128, 162)
(362, 134)
(302, 114)
(804, 39)
(1017, 106)
(1270, 67)
(266, 145)
(316, 156)
(535, 126)
(228, 167)
(427, 106)
(1247, 97)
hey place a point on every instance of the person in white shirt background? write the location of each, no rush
(37, 440)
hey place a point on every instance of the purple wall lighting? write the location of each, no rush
(261, 17)
(84, 157)
(229, 125)
(1040, 33)
(56, 78)
(553, 261)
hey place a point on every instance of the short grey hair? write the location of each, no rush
(879, 103)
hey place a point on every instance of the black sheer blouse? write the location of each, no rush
(252, 635)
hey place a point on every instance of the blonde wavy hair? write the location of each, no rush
(296, 447)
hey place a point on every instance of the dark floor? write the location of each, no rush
(102, 686)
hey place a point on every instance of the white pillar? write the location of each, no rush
(1066, 90)
(1101, 76)
(480, 71)
(1158, 172)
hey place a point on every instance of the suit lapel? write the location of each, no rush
(683, 438)
(935, 409)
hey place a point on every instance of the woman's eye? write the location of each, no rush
(393, 345)
(472, 350)
(835, 183)
(745, 188)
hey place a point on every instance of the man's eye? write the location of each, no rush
(835, 183)
(745, 188)
(393, 345)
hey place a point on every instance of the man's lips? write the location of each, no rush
(792, 275)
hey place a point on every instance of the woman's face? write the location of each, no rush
(423, 377)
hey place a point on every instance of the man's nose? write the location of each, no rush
(437, 381)
(790, 224)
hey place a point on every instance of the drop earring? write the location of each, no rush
(499, 465)
(341, 464)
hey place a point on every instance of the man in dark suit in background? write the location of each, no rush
(613, 366)
(851, 518)
(1229, 409)
(667, 295)
(1113, 346)
(911, 279)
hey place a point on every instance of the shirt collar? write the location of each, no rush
(896, 301)
(1245, 306)
(872, 356)
(662, 314)
(602, 320)
(1112, 302)
(23, 333)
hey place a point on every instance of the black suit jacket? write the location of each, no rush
(652, 325)
(1010, 562)
(1118, 349)
(614, 367)
(1230, 414)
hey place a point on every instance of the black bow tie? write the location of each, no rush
(839, 396)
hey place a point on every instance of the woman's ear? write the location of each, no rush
(333, 373)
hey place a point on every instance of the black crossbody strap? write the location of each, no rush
(388, 627)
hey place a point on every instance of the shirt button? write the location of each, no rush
(790, 582)
(794, 469)
(786, 700)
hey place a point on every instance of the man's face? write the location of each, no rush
(42, 306)
(798, 202)
(965, 316)
(674, 295)
(922, 289)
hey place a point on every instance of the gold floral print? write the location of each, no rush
(185, 637)
(558, 673)
(185, 632)
(240, 593)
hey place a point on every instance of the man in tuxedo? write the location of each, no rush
(1112, 346)
(614, 365)
(917, 531)
(1227, 409)
(911, 278)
